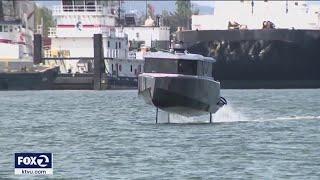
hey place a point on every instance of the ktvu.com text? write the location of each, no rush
(33, 163)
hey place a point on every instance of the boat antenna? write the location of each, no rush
(146, 9)
(1, 11)
(287, 10)
(119, 11)
(252, 4)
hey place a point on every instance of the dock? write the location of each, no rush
(97, 80)
(86, 82)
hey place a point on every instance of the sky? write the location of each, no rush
(204, 3)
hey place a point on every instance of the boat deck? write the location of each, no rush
(289, 35)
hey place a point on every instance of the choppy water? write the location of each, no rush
(261, 134)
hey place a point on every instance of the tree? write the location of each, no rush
(170, 19)
(183, 13)
(48, 21)
(165, 18)
(181, 17)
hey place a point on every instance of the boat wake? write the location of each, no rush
(226, 114)
(292, 118)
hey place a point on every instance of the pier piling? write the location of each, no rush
(157, 116)
(98, 61)
(37, 51)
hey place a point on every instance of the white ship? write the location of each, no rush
(16, 31)
(17, 70)
(77, 22)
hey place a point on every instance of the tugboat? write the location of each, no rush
(181, 83)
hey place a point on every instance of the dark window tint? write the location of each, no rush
(187, 67)
(153, 65)
(90, 5)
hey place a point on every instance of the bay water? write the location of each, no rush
(260, 134)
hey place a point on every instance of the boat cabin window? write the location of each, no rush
(79, 5)
(90, 5)
(178, 66)
(67, 2)
(187, 67)
(153, 65)
(0, 28)
(67, 5)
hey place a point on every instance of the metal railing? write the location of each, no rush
(97, 9)
(65, 54)
(105, 31)
(111, 33)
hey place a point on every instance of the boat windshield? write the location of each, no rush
(177, 66)
(153, 65)
(187, 67)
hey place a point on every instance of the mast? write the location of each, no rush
(252, 5)
(16, 12)
(1, 11)
(146, 9)
(119, 11)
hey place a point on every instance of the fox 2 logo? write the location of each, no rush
(33, 160)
